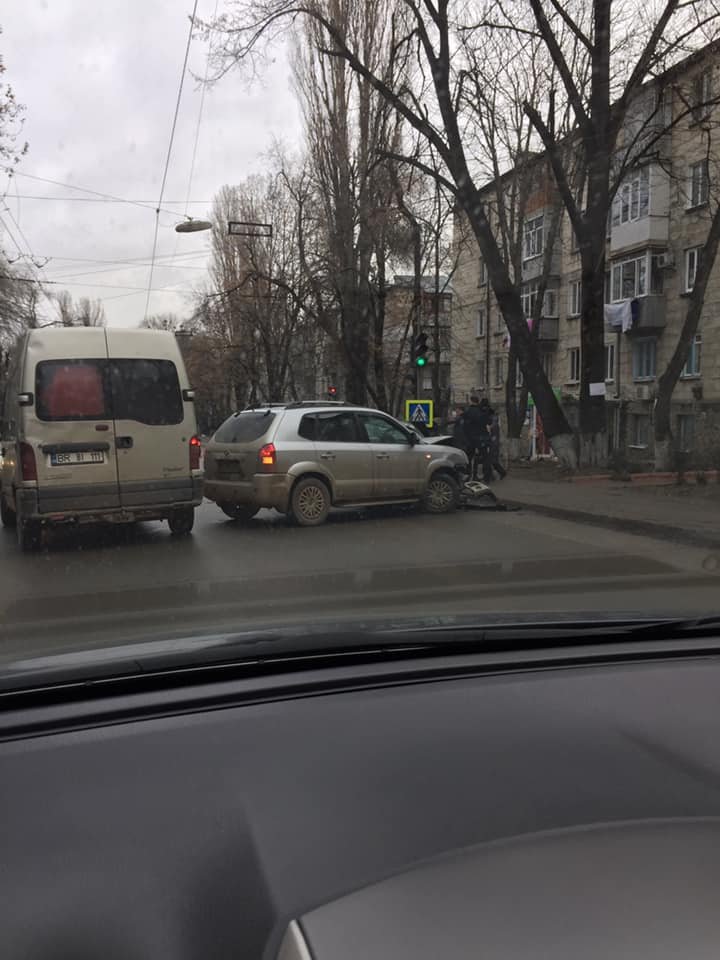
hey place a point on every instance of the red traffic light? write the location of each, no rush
(332, 391)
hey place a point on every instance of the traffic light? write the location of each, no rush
(332, 393)
(420, 349)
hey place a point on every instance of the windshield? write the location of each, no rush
(305, 322)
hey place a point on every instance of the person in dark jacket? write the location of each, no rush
(475, 424)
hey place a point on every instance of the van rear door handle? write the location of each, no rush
(123, 443)
(327, 456)
(382, 456)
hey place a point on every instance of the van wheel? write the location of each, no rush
(181, 521)
(29, 534)
(238, 511)
(310, 502)
(7, 514)
(442, 494)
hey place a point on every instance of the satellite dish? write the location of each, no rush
(193, 226)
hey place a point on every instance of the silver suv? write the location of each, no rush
(304, 458)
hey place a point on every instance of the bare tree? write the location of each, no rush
(84, 313)
(164, 321)
(430, 97)
(11, 123)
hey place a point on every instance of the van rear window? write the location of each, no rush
(147, 391)
(71, 390)
(244, 427)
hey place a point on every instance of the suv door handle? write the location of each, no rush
(382, 456)
(123, 443)
(327, 456)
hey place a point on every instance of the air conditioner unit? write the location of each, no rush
(665, 260)
(643, 391)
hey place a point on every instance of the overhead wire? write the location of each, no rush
(169, 153)
(25, 196)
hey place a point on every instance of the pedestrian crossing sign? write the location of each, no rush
(419, 412)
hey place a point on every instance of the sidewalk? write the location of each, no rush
(688, 515)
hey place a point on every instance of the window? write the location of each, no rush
(480, 322)
(639, 429)
(499, 372)
(609, 362)
(72, 390)
(657, 278)
(444, 339)
(632, 200)
(686, 432)
(547, 365)
(629, 278)
(643, 359)
(251, 425)
(694, 357)
(533, 237)
(480, 374)
(336, 428)
(575, 298)
(702, 94)
(574, 356)
(381, 430)
(482, 273)
(147, 391)
(499, 322)
(518, 374)
(550, 303)
(699, 183)
(691, 264)
(528, 297)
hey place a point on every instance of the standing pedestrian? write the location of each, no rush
(475, 424)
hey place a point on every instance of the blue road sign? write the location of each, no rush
(419, 412)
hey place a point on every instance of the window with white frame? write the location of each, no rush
(518, 374)
(691, 264)
(694, 358)
(498, 372)
(480, 322)
(686, 432)
(482, 273)
(481, 374)
(629, 278)
(499, 322)
(609, 362)
(643, 359)
(533, 237)
(528, 297)
(702, 94)
(575, 298)
(574, 363)
(639, 430)
(699, 183)
(632, 200)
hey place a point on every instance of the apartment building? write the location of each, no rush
(660, 217)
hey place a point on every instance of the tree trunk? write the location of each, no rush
(669, 378)
(593, 421)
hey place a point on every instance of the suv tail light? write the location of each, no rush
(28, 466)
(267, 455)
(195, 451)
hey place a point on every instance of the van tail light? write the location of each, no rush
(195, 452)
(268, 455)
(28, 466)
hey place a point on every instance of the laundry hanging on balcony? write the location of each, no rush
(621, 315)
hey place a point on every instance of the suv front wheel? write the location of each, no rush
(310, 502)
(442, 494)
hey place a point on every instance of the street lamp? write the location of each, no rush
(192, 226)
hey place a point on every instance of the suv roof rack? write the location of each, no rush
(296, 404)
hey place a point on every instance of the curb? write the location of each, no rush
(646, 528)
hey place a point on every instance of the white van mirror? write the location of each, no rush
(188, 394)
(25, 399)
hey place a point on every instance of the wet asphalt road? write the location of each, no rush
(106, 585)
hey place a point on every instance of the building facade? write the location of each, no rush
(660, 217)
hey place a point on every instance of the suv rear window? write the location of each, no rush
(72, 390)
(244, 427)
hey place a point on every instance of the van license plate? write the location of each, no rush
(76, 456)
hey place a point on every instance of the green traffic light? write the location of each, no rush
(421, 361)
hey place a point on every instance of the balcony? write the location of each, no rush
(651, 316)
(548, 331)
(533, 268)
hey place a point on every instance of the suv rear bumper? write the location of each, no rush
(262, 490)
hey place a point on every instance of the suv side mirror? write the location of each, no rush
(412, 438)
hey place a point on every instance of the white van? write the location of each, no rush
(98, 425)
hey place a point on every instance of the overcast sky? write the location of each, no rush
(99, 79)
